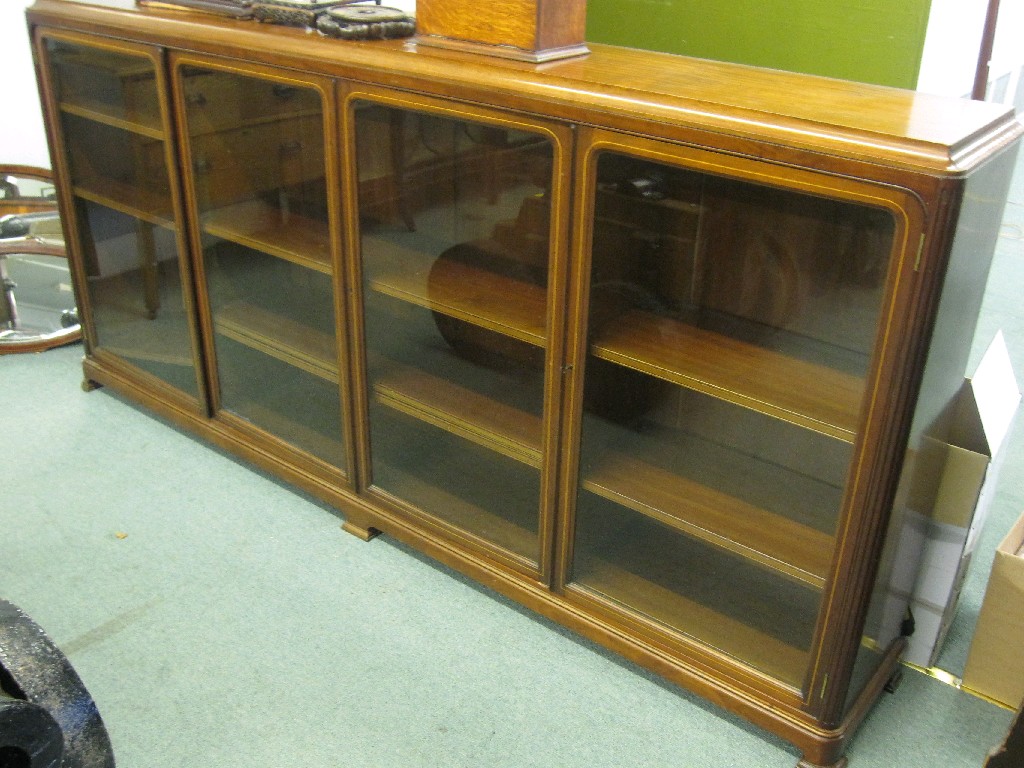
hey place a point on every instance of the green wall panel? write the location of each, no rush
(873, 41)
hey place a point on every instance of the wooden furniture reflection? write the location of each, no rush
(642, 342)
(31, 235)
(26, 189)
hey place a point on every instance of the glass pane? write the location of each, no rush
(120, 169)
(105, 85)
(454, 221)
(276, 354)
(257, 148)
(114, 136)
(135, 285)
(730, 330)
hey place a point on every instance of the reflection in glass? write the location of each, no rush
(105, 85)
(26, 189)
(259, 181)
(112, 127)
(135, 284)
(119, 168)
(454, 221)
(730, 328)
(37, 305)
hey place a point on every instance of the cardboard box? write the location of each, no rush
(953, 483)
(995, 664)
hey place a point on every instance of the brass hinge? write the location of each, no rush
(824, 686)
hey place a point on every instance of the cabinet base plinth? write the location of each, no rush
(88, 385)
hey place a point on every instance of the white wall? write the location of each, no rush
(22, 136)
(1008, 50)
(953, 42)
(951, 46)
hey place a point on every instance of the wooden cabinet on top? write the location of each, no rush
(643, 342)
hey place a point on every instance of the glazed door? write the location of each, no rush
(461, 233)
(731, 319)
(123, 207)
(260, 152)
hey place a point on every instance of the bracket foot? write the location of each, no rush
(893, 683)
(364, 532)
(840, 763)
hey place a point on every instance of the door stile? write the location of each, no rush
(575, 353)
(353, 276)
(194, 236)
(184, 235)
(558, 368)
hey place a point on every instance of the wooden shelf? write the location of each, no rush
(280, 337)
(486, 527)
(129, 199)
(731, 636)
(486, 299)
(613, 207)
(262, 227)
(128, 328)
(198, 128)
(292, 432)
(462, 412)
(98, 112)
(685, 500)
(812, 396)
(138, 352)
